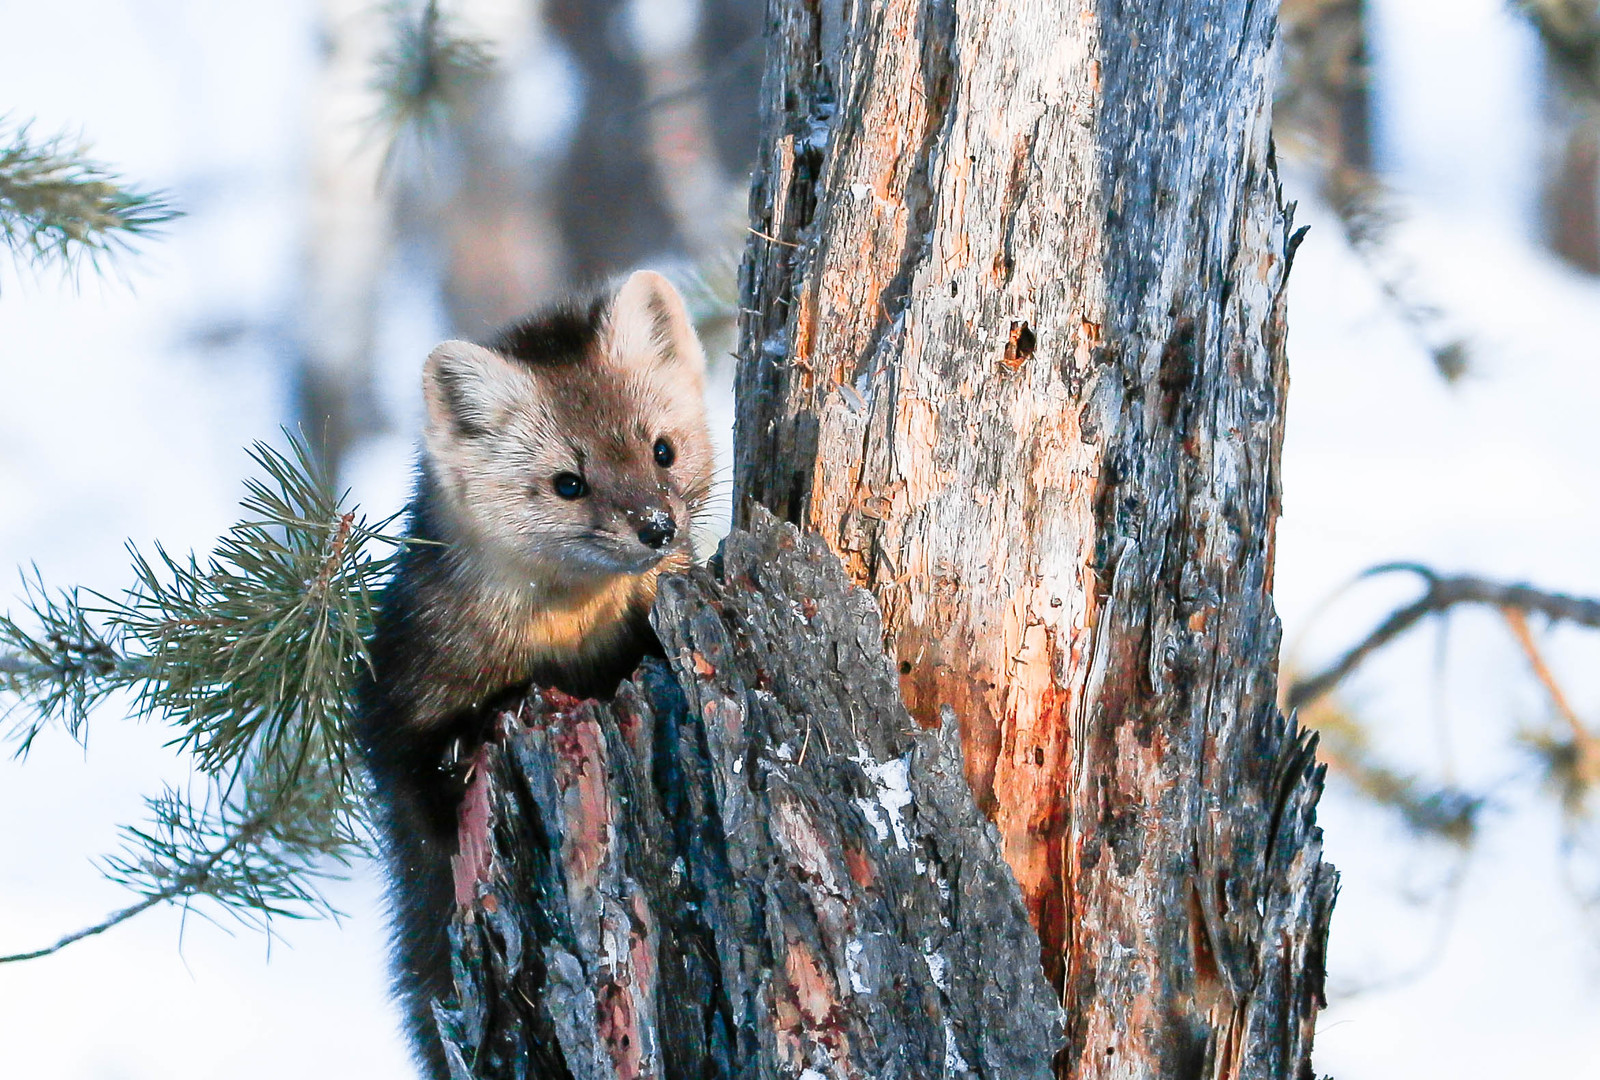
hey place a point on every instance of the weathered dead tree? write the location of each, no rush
(1012, 348)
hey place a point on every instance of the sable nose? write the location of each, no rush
(658, 530)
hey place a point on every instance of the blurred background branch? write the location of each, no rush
(58, 206)
(1440, 595)
(1322, 123)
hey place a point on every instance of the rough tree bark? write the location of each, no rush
(1013, 346)
(1013, 350)
(761, 869)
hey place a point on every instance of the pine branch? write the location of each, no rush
(188, 879)
(258, 858)
(64, 669)
(427, 74)
(250, 656)
(254, 653)
(114, 919)
(257, 862)
(58, 205)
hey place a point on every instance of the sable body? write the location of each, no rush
(562, 469)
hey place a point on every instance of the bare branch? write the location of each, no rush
(1442, 594)
(114, 919)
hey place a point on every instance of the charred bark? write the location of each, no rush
(752, 864)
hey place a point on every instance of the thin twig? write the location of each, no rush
(169, 893)
(1587, 744)
(1442, 594)
(187, 883)
(771, 239)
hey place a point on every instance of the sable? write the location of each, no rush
(563, 465)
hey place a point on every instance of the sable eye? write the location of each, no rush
(665, 454)
(569, 485)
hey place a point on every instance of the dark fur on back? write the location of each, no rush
(461, 628)
(418, 773)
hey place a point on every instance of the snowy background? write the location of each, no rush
(124, 413)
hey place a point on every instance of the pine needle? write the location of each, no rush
(250, 656)
(428, 73)
(60, 671)
(59, 206)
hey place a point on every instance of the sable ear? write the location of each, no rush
(469, 389)
(650, 326)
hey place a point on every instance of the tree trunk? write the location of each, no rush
(1570, 203)
(762, 869)
(1570, 192)
(492, 220)
(611, 206)
(1013, 349)
(347, 236)
(1013, 346)
(1321, 105)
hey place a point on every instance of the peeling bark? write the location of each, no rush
(1013, 345)
(751, 865)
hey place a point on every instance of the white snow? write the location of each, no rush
(893, 782)
(114, 423)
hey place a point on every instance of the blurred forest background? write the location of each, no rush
(360, 181)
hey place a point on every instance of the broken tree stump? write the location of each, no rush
(750, 863)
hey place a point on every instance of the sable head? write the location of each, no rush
(574, 448)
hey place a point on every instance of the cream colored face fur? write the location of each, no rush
(501, 430)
